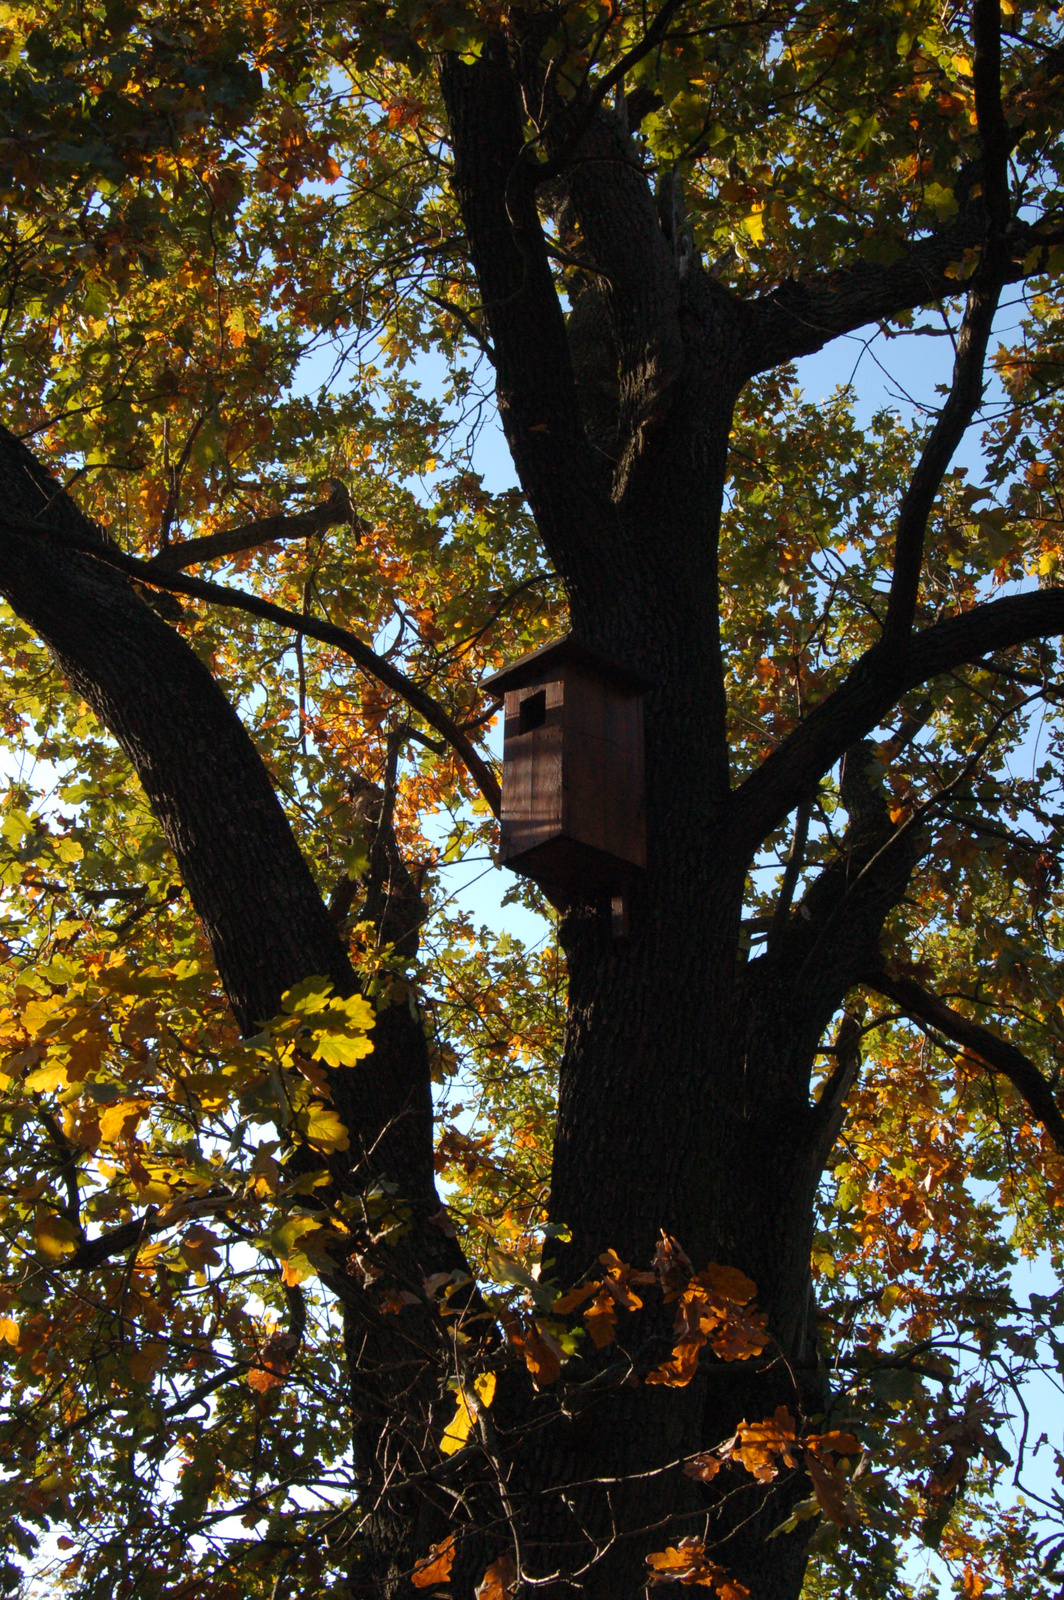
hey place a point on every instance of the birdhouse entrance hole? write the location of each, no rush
(533, 711)
(572, 789)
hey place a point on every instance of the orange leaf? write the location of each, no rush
(499, 1582)
(688, 1564)
(262, 1380)
(740, 1337)
(679, 1371)
(705, 1466)
(762, 1446)
(729, 1282)
(542, 1353)
(436, 1566)
(601, 1319)
(836, 1444)
(830, 1488)
(573, 1298)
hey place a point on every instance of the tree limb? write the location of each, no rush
(300, 525)
(965, 397)
(494, 180)
(871, 687)
(372, 664)
(996, 1053)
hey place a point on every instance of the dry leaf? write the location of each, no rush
(601, 1319)
(704, 1467)
(678, 1372)
(499, 1582)
(436, 1566)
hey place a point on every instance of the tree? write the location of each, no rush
(713, 1288)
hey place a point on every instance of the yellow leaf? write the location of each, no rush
(55, 1236)
(323, 1129)
(485, 1387)
(458, 1429)
(754, 224)
(120, 1120)
(53, 1075)
(9, 1330)
(342, 1049)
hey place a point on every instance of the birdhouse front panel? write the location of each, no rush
(532, 798)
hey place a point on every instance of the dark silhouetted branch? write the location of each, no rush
(996, 1053)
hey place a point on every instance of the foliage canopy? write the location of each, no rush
(243, 305)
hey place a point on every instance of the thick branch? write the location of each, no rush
(990, 114)
(997, 1053)
(965, 397)
(867, 693)
(301, 525)
(206, 782)
(494, 181)
(373, 665)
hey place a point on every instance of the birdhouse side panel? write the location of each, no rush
(604, 778)
(532, 769)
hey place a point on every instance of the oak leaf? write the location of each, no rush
(500, 1580)
(436, 1566)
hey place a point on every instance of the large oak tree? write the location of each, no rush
(713, 1288)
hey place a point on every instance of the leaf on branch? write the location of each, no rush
(119, 1121)
(55, 1236)
(762, 1447)
(322, 1128)
(711, 1309)
(436, 1566)
(541, 1351)
(500, 1580)
(688, 1564)
(704, 1467)
(459, 1428)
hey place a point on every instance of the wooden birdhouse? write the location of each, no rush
(572, 771)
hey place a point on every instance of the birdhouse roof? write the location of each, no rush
(550, 658)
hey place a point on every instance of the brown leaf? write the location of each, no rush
(601, 1319)
(436, 1566)
(688, 1564)
(500, 1580)
(396, 1300)
(704, 1467)
(573, 1298)
(762, 1447)
(672, 1265)
(542, 1352)
(830, 1488)
(836, 1444)
(729, 1282)
(262, 1380)
(677, 1372)
(741, 1336)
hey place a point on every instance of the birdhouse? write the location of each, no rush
(572, 770)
